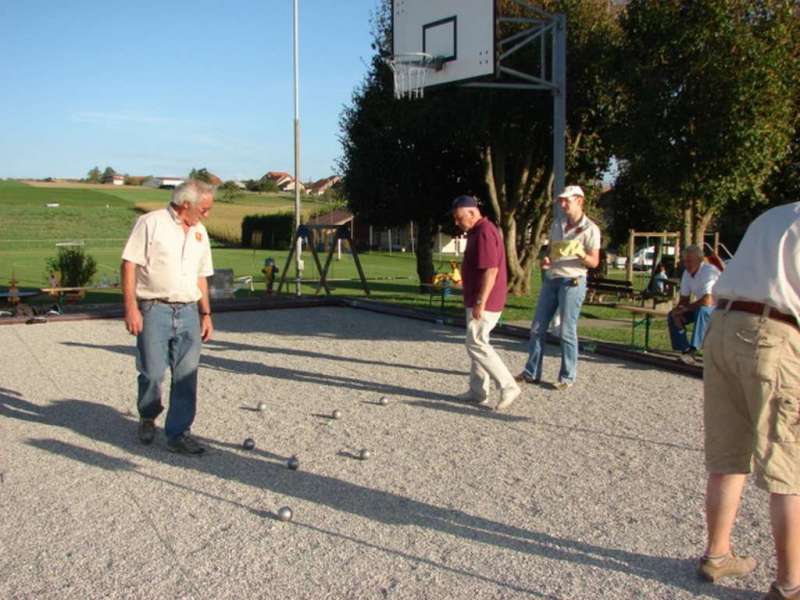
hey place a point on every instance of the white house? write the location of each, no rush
(163, 182)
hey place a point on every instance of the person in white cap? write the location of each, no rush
(574, 248)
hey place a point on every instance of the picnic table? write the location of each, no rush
(642, 317)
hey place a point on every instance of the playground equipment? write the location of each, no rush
(305, 234)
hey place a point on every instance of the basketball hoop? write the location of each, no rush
(411, 73)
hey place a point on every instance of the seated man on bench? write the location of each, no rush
(698, 281)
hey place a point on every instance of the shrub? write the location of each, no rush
(76, 267)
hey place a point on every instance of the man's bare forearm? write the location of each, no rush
(128, 270)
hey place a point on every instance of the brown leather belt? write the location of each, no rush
(756, 308)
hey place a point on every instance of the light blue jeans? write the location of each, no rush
(557, 294)
(170, 338)
(680, 340)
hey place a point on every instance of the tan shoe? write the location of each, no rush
(775, 593)
(507, 397)
(729, 566)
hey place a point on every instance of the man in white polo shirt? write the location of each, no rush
(164, 268)
(574, 248)
(697, 282)
(751, 377)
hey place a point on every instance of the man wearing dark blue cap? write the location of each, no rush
(485, 281)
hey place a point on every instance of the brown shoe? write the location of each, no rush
(728, 566)
(525, 378)
(775, 593)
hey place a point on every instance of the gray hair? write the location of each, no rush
(191, 191)
(694, 249)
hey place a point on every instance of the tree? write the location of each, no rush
(404, 160)
(516, 130)
(407, 160)
(229, 192)
(93, 176)
(709, 100)
(205, 175)
(108, 174)
(410, 158)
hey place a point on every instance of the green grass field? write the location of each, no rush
(103, 216)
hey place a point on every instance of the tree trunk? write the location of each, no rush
(687, 225)
(701, 224)
(425, 239)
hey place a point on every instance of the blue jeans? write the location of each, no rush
(170, 338)
(680, 340)
(557, 294)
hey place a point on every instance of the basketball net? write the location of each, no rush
(411, 73)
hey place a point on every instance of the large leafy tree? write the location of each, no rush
(709, 101)
(405, 160)
(408, 159)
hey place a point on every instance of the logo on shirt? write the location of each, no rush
(198, 236)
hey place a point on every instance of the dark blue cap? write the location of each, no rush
(465, 202)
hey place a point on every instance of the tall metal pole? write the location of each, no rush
(559, 107)
(299, 249)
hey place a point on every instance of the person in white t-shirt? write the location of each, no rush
(751, 407)
(695, 305)
(164, 268)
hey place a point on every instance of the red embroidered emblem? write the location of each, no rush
(198, 236)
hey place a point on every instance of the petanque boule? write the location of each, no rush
(383, 401)
(337, 414)
(285, 514)
(364, 454)
(262, 406)
(249, 444)
(293, 463)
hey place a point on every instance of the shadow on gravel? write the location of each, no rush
(104, 424)
(242, 367)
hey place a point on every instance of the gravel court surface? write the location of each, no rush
(592, 493)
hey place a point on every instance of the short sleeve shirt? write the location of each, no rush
(485, 250)
(168, 260)
(585, 233)
(701, 283)
(766, 267)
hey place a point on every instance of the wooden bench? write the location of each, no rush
(597, 288)
(642, 316)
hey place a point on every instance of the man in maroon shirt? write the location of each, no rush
(485, 280)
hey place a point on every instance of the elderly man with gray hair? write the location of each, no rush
(697, 282)
(164, 268)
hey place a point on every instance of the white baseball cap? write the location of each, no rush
(571, 190)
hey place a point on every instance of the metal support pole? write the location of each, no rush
(559, 106)
(298, 262)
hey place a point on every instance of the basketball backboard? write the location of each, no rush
(459, 34)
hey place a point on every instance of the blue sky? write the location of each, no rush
(156, 88)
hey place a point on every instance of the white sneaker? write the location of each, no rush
(473, 398)
(563, 386)
(507, 397)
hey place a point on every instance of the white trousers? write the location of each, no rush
(485, 362)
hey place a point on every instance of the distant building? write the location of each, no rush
(318, 188)
(168, 183)
(283, 180)
(114, 179)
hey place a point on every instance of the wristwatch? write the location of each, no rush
(478, 302)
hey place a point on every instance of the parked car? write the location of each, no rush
(644, 257)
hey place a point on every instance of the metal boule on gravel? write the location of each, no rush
(262, 406)
(293, 463)
(249, 444)
(383, 401)
(285, 514)
(337, 414)
(364, 454)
